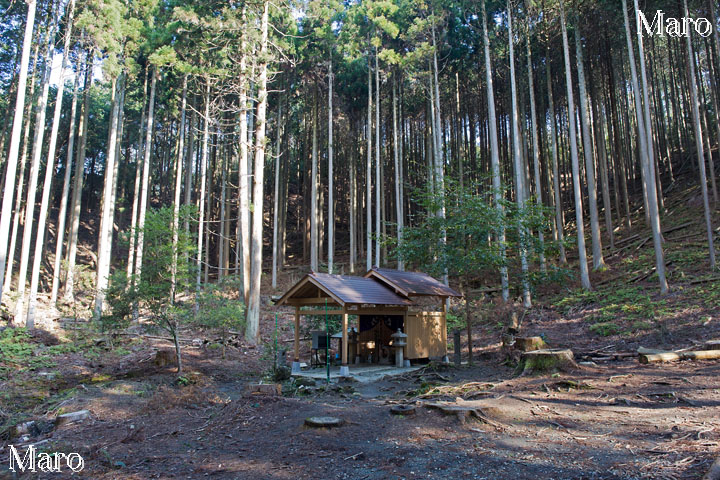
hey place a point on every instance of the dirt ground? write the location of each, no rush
(619, 420)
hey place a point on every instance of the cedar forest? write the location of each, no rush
(171, 168)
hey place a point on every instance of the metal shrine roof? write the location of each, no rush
(411, 284)
(340, 289)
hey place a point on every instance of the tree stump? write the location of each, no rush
(546, 360)
(165, 357)
(712, 345)
(402, 410)
(270, 389)
(324, 422)
(528, 344)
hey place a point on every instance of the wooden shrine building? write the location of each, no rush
(383, 301)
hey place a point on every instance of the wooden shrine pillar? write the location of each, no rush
(344, 337)
(297, 334)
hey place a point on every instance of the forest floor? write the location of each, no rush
(611, 418)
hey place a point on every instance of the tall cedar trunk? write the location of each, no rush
(253, 317)
(178, 185)
(49, 172)
(353, 205)
(582, 254)
(378, 178)
(189, 169)
(559, 224)
(201, 197)
(10, 173)
(368, 175)
(19, 204)
(535, 147)
(439, 157)
(495, 156)
(331, 193)
(276, 196)
(144, 190)
(699, 143)
(647, 165)
(68, 294)
(398, 176)
(105, 237)
(138, 180)
(64, 198)
(598, 261)
(222, 236)
(39, 134)
(243, 193)
(519, 164)
(314, 262)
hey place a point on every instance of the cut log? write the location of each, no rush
(659, 357)
(528, 344)
(675, 356)
(271, 389)
(701, 355)
(71, 417)
(546, 360)
(712, 345)
(324, 422)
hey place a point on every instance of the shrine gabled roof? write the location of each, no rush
(411, 284)
(318, 288)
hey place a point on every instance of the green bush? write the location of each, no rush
(605, 329)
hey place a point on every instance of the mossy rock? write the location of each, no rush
(549, 360)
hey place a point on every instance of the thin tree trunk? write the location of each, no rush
(378, 178)
(598, 261)
(201, 198)
(64, 199)
(368, 176)
(331, 192)
(78, 182)
(39, 134)
(314, 262)
(105, 237)
(178, 185)
(584, 273)
(398, 177)
(9, 187)
(555, 171)
(276, 196)
(699, 143)
(495, 157)
(439, 157)
(519, 164)
(253, 320)
(353, 205)
(138, 181)
(19, 205)
(536, 149)
(648, 165)
(244, 192)
(144, 190)
(49, 173)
